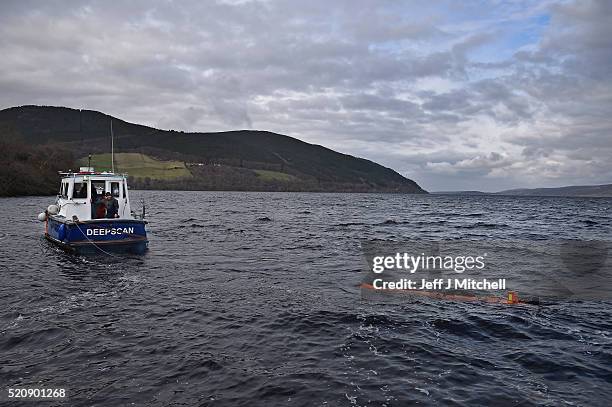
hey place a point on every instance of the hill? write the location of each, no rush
(241, 160)
(577, 190)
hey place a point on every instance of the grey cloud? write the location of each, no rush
(402, 85)
(377, 103)
(232, 112)
(481, 164)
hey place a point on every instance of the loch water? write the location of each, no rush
(253, 299)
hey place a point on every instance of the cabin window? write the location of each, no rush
(115, 189)
(64, 190)
(80, 190)
(99, 187)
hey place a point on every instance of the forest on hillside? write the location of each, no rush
(29, 169)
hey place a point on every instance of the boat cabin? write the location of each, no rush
(80, 194)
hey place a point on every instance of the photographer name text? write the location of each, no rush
(438, 284)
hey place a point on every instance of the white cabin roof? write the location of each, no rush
(93, 175)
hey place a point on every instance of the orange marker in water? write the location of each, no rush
(512, 297)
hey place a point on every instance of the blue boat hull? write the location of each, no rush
(98, 235)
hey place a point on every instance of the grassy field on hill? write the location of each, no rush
(139, 165)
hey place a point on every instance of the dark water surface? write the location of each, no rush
(252, 299)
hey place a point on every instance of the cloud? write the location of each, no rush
(453, 95)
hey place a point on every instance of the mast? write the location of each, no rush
(112, 148)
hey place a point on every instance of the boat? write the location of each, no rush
(77, 223)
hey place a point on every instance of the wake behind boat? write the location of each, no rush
(92, 214)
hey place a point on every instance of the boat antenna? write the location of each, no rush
(112, 148)
(144, 208)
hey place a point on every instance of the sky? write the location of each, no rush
(456, 95)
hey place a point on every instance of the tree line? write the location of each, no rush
(28, 169)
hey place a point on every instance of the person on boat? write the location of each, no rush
(94, 202)
(100, 206)
(112, 206)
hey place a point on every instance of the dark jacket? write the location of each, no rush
(112, 207)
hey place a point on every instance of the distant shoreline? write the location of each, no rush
(491, 194)
(583, 191)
